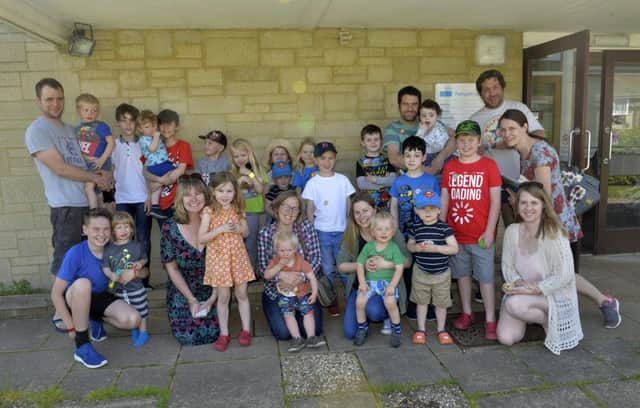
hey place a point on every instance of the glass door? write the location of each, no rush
(619, 154)
(554, 82)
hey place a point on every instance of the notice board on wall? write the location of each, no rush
(458, 102)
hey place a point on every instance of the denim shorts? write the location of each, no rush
(290, 304)
(378, 287)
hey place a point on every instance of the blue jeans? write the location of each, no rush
(276, 321)
(329, 248)
(143, 227)
(167, 213)
(374, 310)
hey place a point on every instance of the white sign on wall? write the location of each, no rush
(458, 102)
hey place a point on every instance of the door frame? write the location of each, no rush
(617, 240)
(580, 42)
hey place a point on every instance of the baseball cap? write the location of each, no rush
(280, 168)
(215, 136)
(324, 147)
(468, 127)
(426, 198)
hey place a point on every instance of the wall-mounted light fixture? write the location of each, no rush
(81, 43)
(490, 49)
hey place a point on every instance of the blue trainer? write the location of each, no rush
(96, 331)
(89, 357)
(142, 339)
(134, 335)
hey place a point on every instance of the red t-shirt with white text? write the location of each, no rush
(468, 186)
(179, 153)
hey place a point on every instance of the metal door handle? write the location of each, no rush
(610, 141)
(589, 149)
(571, 133)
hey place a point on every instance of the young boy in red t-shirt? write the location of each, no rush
(471, 205)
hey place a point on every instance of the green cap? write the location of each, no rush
(468, 127)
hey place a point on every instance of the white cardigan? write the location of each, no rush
(558, 285)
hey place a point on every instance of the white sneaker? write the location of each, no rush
(386, 327)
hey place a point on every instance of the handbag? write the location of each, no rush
(582, 190)
(326, 293)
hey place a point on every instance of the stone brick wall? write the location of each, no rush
(255, 84)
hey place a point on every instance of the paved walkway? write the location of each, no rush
(603, 371)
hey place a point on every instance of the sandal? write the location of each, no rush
(59, 325)
(444, 338)
(419, 337)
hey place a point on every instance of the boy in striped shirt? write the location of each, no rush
(432, 241)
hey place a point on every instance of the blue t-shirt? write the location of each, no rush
(79, 262)
(301, 177)
(433, 263)
(404, 188)
(92, 137)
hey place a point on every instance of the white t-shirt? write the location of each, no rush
(488, 120)
(130, 183)
(329, 196)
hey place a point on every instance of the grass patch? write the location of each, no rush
(21, 287)
(112, 392)
(41, 399)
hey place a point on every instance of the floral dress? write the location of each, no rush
(190, 261)
(227, 259)
(542, 154)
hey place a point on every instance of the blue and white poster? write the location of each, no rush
(458, 102)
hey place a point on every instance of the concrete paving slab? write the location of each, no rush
(160, 350)
(55, 340)
(260, 347)
(24, 334)
(450, 396)
(570, 366)
(158, 322)
(351, 400)
(118, 403)
(34, 370)
(411, 365)
(283, 345)
(560, 397)
(312, 374)
(336, 341)
(248, 383)
(140, 377)
(592, 326)
(623, 394)
(617, 352)
(488, 369)
(81, 380)
(630, 310)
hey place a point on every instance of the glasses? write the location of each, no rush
(191, 177)
(290, 210)
(529, 184)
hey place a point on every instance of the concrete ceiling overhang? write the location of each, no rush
(53, 19)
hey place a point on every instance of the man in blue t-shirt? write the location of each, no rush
(80, 296)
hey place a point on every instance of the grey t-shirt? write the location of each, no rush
(118, 257)
(43, 135)
(207, 166)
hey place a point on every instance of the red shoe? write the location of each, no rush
(490, 332)
(222, 343)
(334, 309)
(463, 322)
(244, 339)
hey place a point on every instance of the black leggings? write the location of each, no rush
(575, 251)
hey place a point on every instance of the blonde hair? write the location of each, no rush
(550, 224)
(282, 237)
(86, 99)
(352, 232)
(244, 145)
(146, 116)
(380, 217)
(185, 184)
(275, 143)
(121, 217)
(221, 178)
(306, 142)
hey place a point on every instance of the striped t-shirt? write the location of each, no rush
(433, 263)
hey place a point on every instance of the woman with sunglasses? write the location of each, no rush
(190, 304)
(540, 162)
(537, 266)
(288, 218)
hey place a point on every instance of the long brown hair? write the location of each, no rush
(352, 232)
(550, 225)
(520, 118)
(225, 177)
(185, 184)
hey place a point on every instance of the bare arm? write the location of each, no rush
(542, 174)
(438, 162)
(494, 212)
(393, 208)
(444, 203)
(394, 156)
(155, 142)
(268, 206)
(310, 210)
(178, 281)
(111, 144)
(270, 273)
(52, 159)
(397, 275)
(362, 283)
(57, 298)
(539, 132)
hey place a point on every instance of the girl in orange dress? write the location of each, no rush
(223, 227)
